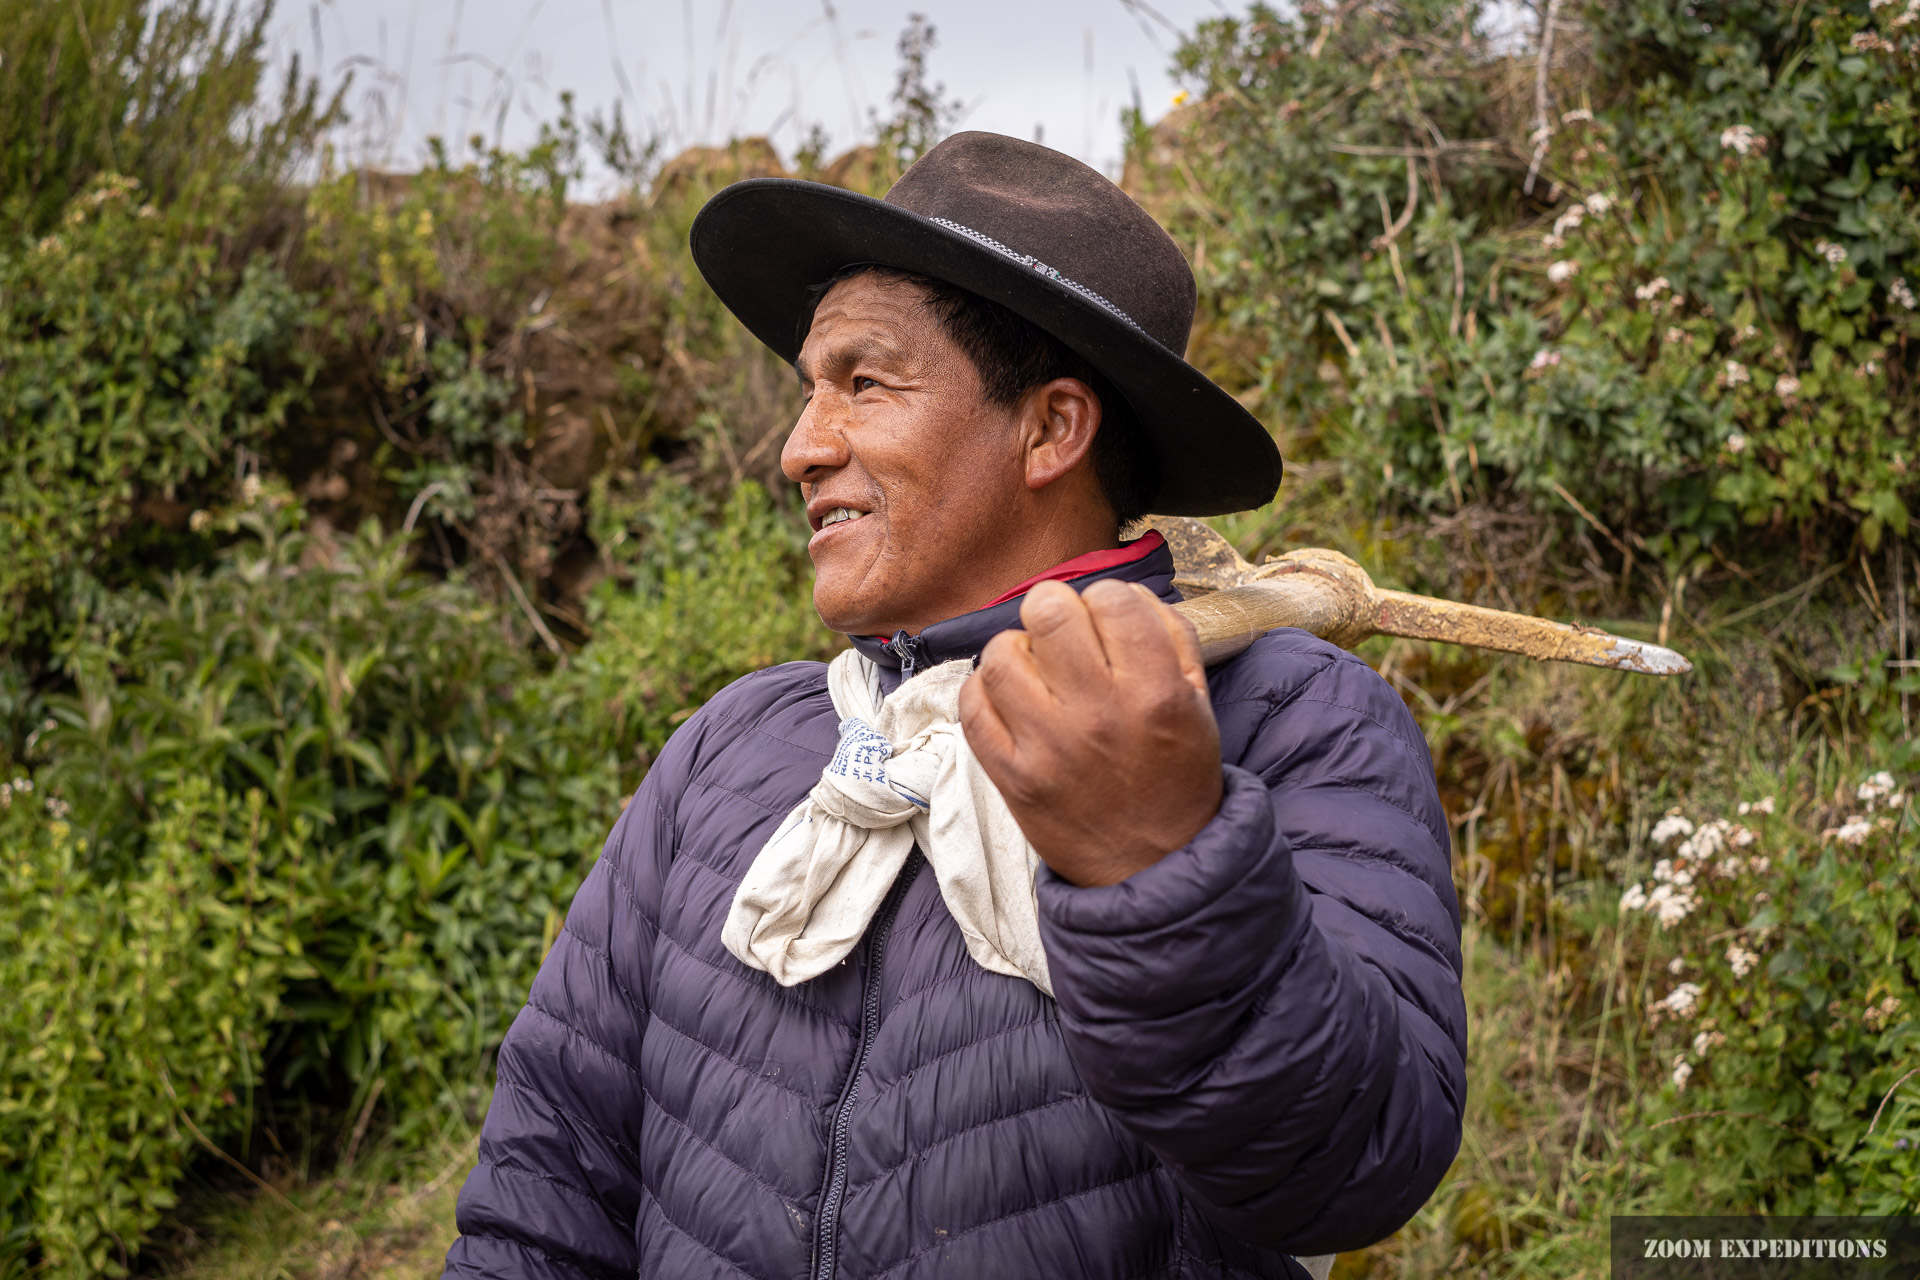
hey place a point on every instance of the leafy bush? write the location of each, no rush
(164, 92)
(1694, 318)
(1780, 990)
(340, 811)
(134, 362)
(133, 1025)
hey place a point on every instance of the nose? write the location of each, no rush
(817, 443)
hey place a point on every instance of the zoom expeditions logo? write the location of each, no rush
(1737, 1248)
(1765, 1248)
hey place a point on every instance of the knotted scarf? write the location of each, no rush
(901, 775)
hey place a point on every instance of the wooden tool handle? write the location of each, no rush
(1325, 593)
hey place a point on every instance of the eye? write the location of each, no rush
(861, 382)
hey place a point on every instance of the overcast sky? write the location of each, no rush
(700, 71)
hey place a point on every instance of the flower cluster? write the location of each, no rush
(1880, 791)
(1835, 254)
(18, 787)
(1743, 139)
(1734, 374)
(1562, 271)
(1740, 960)
(1652, 289)
(1786, 387)
(1902, 293)
(1543, 359)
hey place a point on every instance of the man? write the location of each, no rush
(1255, 1042)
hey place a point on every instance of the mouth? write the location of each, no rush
(824, 517)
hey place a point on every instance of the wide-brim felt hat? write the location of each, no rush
(1039, 233)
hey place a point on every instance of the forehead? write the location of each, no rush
(877, 315)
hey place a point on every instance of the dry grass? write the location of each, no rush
(386, 1218)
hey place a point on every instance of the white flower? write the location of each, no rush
(1575, 214)
(1677, 966)
(1786, 387)
(1759, 865)
(1855, 830)
(250, 490)
(1670, 826)
(1742, 138)
(1835, 254)
(1581, 113)
(1681, 1000)
(1676, 334)
(1707, 841)
(1741, 838)
(1736, 443)
(199, 521)
(1871, 40)
(1670, 907)
(1544, 359)
(1632, 900)
(1597, 205)
(1901, 292)
(1652, 289)
(1867, 369)
(1873, 788)
(1682, 1072)
(1735, 373)
(1895, 800)
(1707, 1040)
(1741, 960)
(1563, 271)
(1552, 241)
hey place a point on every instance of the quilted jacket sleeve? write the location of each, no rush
(558, 1185)
(1276, 1007)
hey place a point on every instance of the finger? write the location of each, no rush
(1127, 618)
(986, 733)
(1008, 679)
(1066, 648)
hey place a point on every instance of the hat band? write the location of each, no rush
(1028, 260)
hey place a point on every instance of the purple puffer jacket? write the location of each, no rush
(1257, 1048)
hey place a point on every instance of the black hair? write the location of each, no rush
(1012, 355)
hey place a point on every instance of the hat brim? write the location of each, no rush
(764, 243)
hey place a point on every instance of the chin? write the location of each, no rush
(843, 612)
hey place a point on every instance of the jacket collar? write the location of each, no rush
(966, 635)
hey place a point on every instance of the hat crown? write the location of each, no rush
(1067, 216)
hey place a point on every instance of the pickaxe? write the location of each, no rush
(1232, 603)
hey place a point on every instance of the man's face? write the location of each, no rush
(897, 432)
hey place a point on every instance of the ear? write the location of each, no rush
(1060, 419)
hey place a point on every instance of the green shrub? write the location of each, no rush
(429, 800)
(135, 1017)
(1696, 319)
(133, 364)
(164, 92)
(1782, 940)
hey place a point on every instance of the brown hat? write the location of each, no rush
(1035, 231)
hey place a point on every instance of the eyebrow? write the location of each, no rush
(845, 355)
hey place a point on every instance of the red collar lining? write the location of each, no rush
(1090, 562)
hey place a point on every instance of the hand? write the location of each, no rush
(1095, 725)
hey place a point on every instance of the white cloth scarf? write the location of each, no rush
(902, 774)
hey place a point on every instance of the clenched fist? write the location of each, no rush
(1095, 725)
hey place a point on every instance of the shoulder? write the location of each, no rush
(784, 705)
(1297, 710)
(1289, 670)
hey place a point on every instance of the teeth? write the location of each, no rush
(838, 514)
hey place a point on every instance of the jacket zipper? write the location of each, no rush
(837, 1153)
(912, 652)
